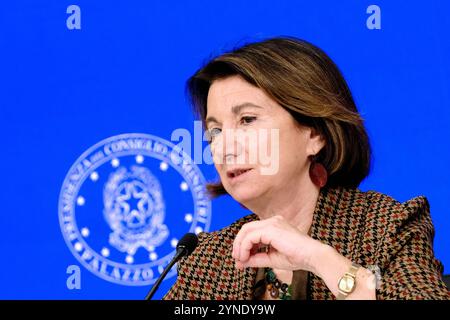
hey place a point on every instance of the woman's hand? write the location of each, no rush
(290, 249)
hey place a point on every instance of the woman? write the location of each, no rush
(312, 233)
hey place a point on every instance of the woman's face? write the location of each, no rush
(259, 150)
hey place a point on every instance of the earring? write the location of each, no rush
(318, 173)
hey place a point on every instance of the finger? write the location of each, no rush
(239, 265)
(245, 228)
(256, 237)
(259, 260)
(248, 227)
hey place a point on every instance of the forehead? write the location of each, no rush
(234, 90)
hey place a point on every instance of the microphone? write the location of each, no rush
(185, 247)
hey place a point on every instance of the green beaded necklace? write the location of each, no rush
(275, 286)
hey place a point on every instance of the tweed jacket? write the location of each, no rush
(368, 228)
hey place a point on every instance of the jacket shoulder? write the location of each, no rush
(390, 224)
(394, 214)
(404, 249)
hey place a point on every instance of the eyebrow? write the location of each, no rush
(235, 110)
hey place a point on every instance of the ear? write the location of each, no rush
(315, 142)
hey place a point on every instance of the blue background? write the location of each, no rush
(62, 91)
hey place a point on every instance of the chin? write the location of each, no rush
(244, 194)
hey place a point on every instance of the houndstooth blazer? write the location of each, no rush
(368, 228)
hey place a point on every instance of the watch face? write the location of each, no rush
(346, 284)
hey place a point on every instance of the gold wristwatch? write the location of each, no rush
(347, 282)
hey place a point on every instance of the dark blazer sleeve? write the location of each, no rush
(411, 271)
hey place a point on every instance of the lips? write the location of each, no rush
(234, 173)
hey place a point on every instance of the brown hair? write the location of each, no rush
(307, 83)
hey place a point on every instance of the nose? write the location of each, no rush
(227, 148)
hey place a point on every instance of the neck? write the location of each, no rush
(296, 205)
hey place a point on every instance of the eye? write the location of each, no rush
(212, 133)
(247, 119)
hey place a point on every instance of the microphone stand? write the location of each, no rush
(181, 251)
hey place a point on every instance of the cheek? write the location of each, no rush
(292, 150)
(267, 150)
(220, 170)
(261, 143)
(251, 149)
(217, 152)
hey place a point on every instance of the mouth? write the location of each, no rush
(234, 173)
